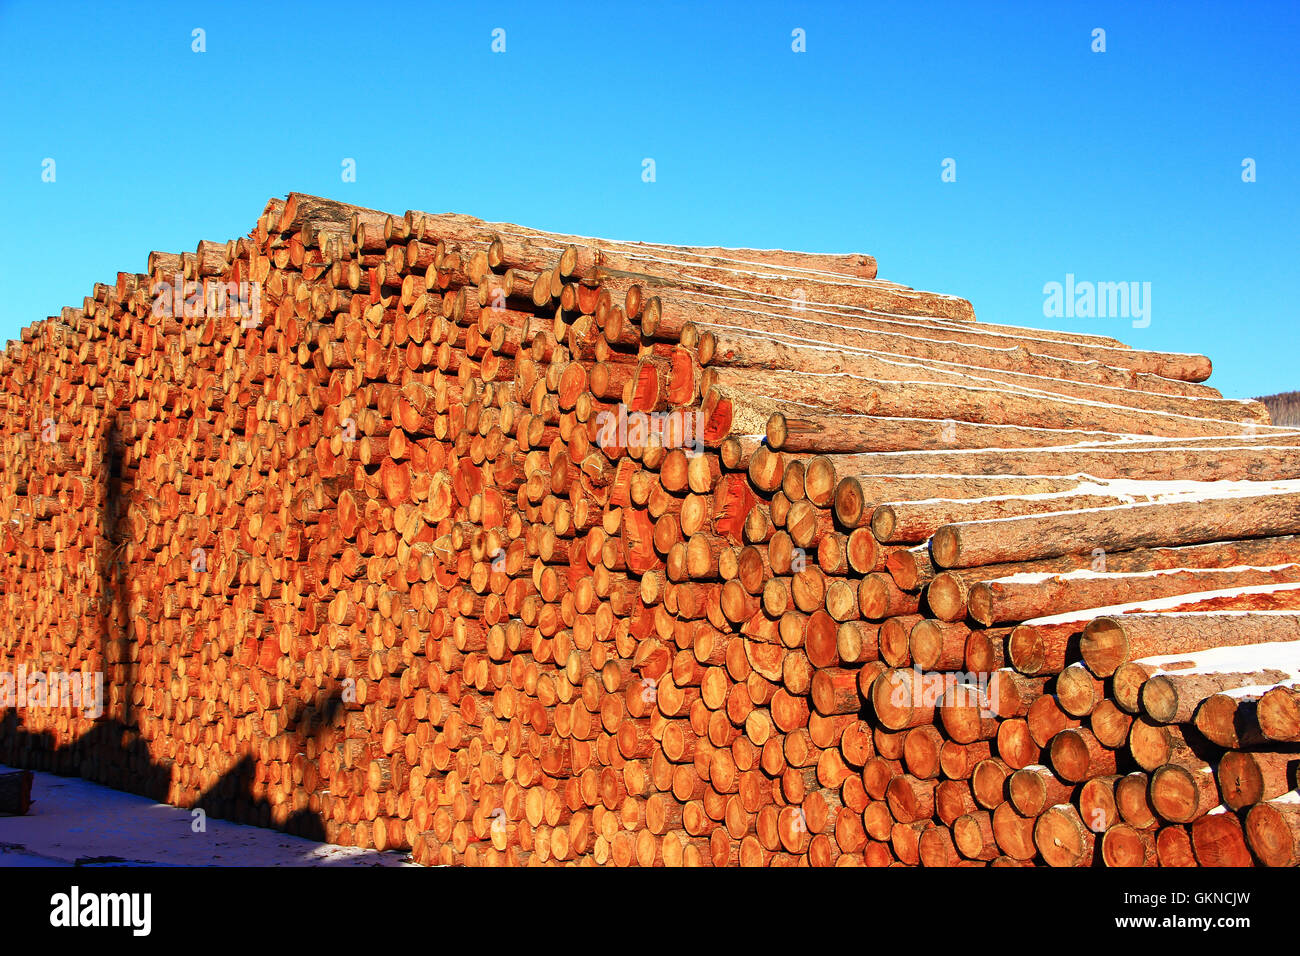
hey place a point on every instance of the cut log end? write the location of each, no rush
(1273, 833)
(979, 604)
(850, 503)
(947, 596)
(1104, 646)
(1062, 839)
(777, 431)
(945, 547)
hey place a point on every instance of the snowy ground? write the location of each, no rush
(74, 822)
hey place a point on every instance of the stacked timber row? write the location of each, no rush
(511, 547)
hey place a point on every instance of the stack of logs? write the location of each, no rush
(508, 547)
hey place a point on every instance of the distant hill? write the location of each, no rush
(1283, 407)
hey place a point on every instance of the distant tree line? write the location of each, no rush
(1284, 408)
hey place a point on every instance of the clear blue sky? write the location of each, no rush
(1115, 166)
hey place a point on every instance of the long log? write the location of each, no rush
(1174, 698)
(1120, 528)
(948, 592)
(723, 348)
(1034, 594)
(911, 522)
(904, 391)
(682, 308)
(814, 430)
(1239, 461)
(1273, 832)
(730, 323)
(1108, 642)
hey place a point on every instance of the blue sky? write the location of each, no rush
(1122, 166)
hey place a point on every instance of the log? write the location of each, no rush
(1062, 839)
(1279, 714)
(1229, 720)
(1239, 462)
(688, 307)
(949, 590)
(1077, 755)
(1033, 789)
(1132, 798)
(1181, 795)
(858, 493)
(1032, 595)
(1174, 847)
(1153, 745)
(1097, 803)
(1272, 832)
(1249, 777)
(1110, 724)
(1185, 521)
(897, 389)
(815, 430)
(1122, 845)
(1078, 692)
(1218, 840)
(1014, 833)
(911, 522)
(969, 347)
(1174, 698)
(1110, 641)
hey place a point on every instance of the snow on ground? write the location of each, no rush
(74, 821)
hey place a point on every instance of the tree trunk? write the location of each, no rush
(1186, 521)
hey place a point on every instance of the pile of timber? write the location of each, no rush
(511, 547)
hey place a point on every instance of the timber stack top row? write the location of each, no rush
(509, 547)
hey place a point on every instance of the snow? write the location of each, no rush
(1257, 690)
(1242, 659)
(73, 819)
